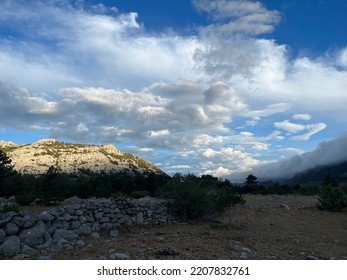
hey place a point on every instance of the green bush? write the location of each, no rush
(331, 197)
(139, 194)
(199, 197)
(25, 198)
(119, 195)
(11, 207)
(226, 197)
(309, 190)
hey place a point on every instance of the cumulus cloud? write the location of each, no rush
(112, 49)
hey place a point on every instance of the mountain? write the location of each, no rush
(337, 171)
(37, 157)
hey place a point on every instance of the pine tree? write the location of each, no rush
(6, 168)
(51, 191)
(251, 184)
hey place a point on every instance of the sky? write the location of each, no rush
(220, 87)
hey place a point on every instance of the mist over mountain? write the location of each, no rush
(328, 153)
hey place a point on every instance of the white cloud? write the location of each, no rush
(159, 133)
(304, 117)
(342, 58)
(181, 167)
(246, 17)
(313, 129)
(220, 172)
(113, 50)
(295, 128)
(228, 157)
(289, 126)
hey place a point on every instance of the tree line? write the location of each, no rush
(192, 196)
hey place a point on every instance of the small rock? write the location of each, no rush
(99, 215)
(114, 233)
(311, 257)
(95, 235)
(75, 224)
(46, 257)
(79, 212)
(119, 256)
(284, 206)
(245, 250)
(80, 243)
(29, 251)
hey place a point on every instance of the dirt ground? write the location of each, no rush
(265, 227)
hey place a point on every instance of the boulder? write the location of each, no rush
(26, 250)
(84, 229)
(11, 246)
(11, 228)
(35, 235)
(64, 233)
(28, 220)
(45, 217)
(2, 235)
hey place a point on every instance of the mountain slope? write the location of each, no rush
(36, 158)
(317, 174)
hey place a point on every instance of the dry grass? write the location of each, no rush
(261, 225)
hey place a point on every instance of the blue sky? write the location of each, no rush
(205, 86)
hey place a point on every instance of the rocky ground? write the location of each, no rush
(266, 227)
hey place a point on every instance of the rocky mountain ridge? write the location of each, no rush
(37, 157)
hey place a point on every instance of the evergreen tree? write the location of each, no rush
(51, 192)
(251, 184)
(227, 197)
(331, 196)
(6, 168)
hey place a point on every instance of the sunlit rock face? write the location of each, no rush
(37, 157)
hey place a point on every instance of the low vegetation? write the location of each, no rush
(191, 196)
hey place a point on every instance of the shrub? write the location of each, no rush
(190, 200)
(139, 194)
(11, 207)
(119, 195)
(25, 198)
(331, 197)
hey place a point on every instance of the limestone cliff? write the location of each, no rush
(37, 157)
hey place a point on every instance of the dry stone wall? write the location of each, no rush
(24, 235)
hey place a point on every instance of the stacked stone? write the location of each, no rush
(23, 235)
